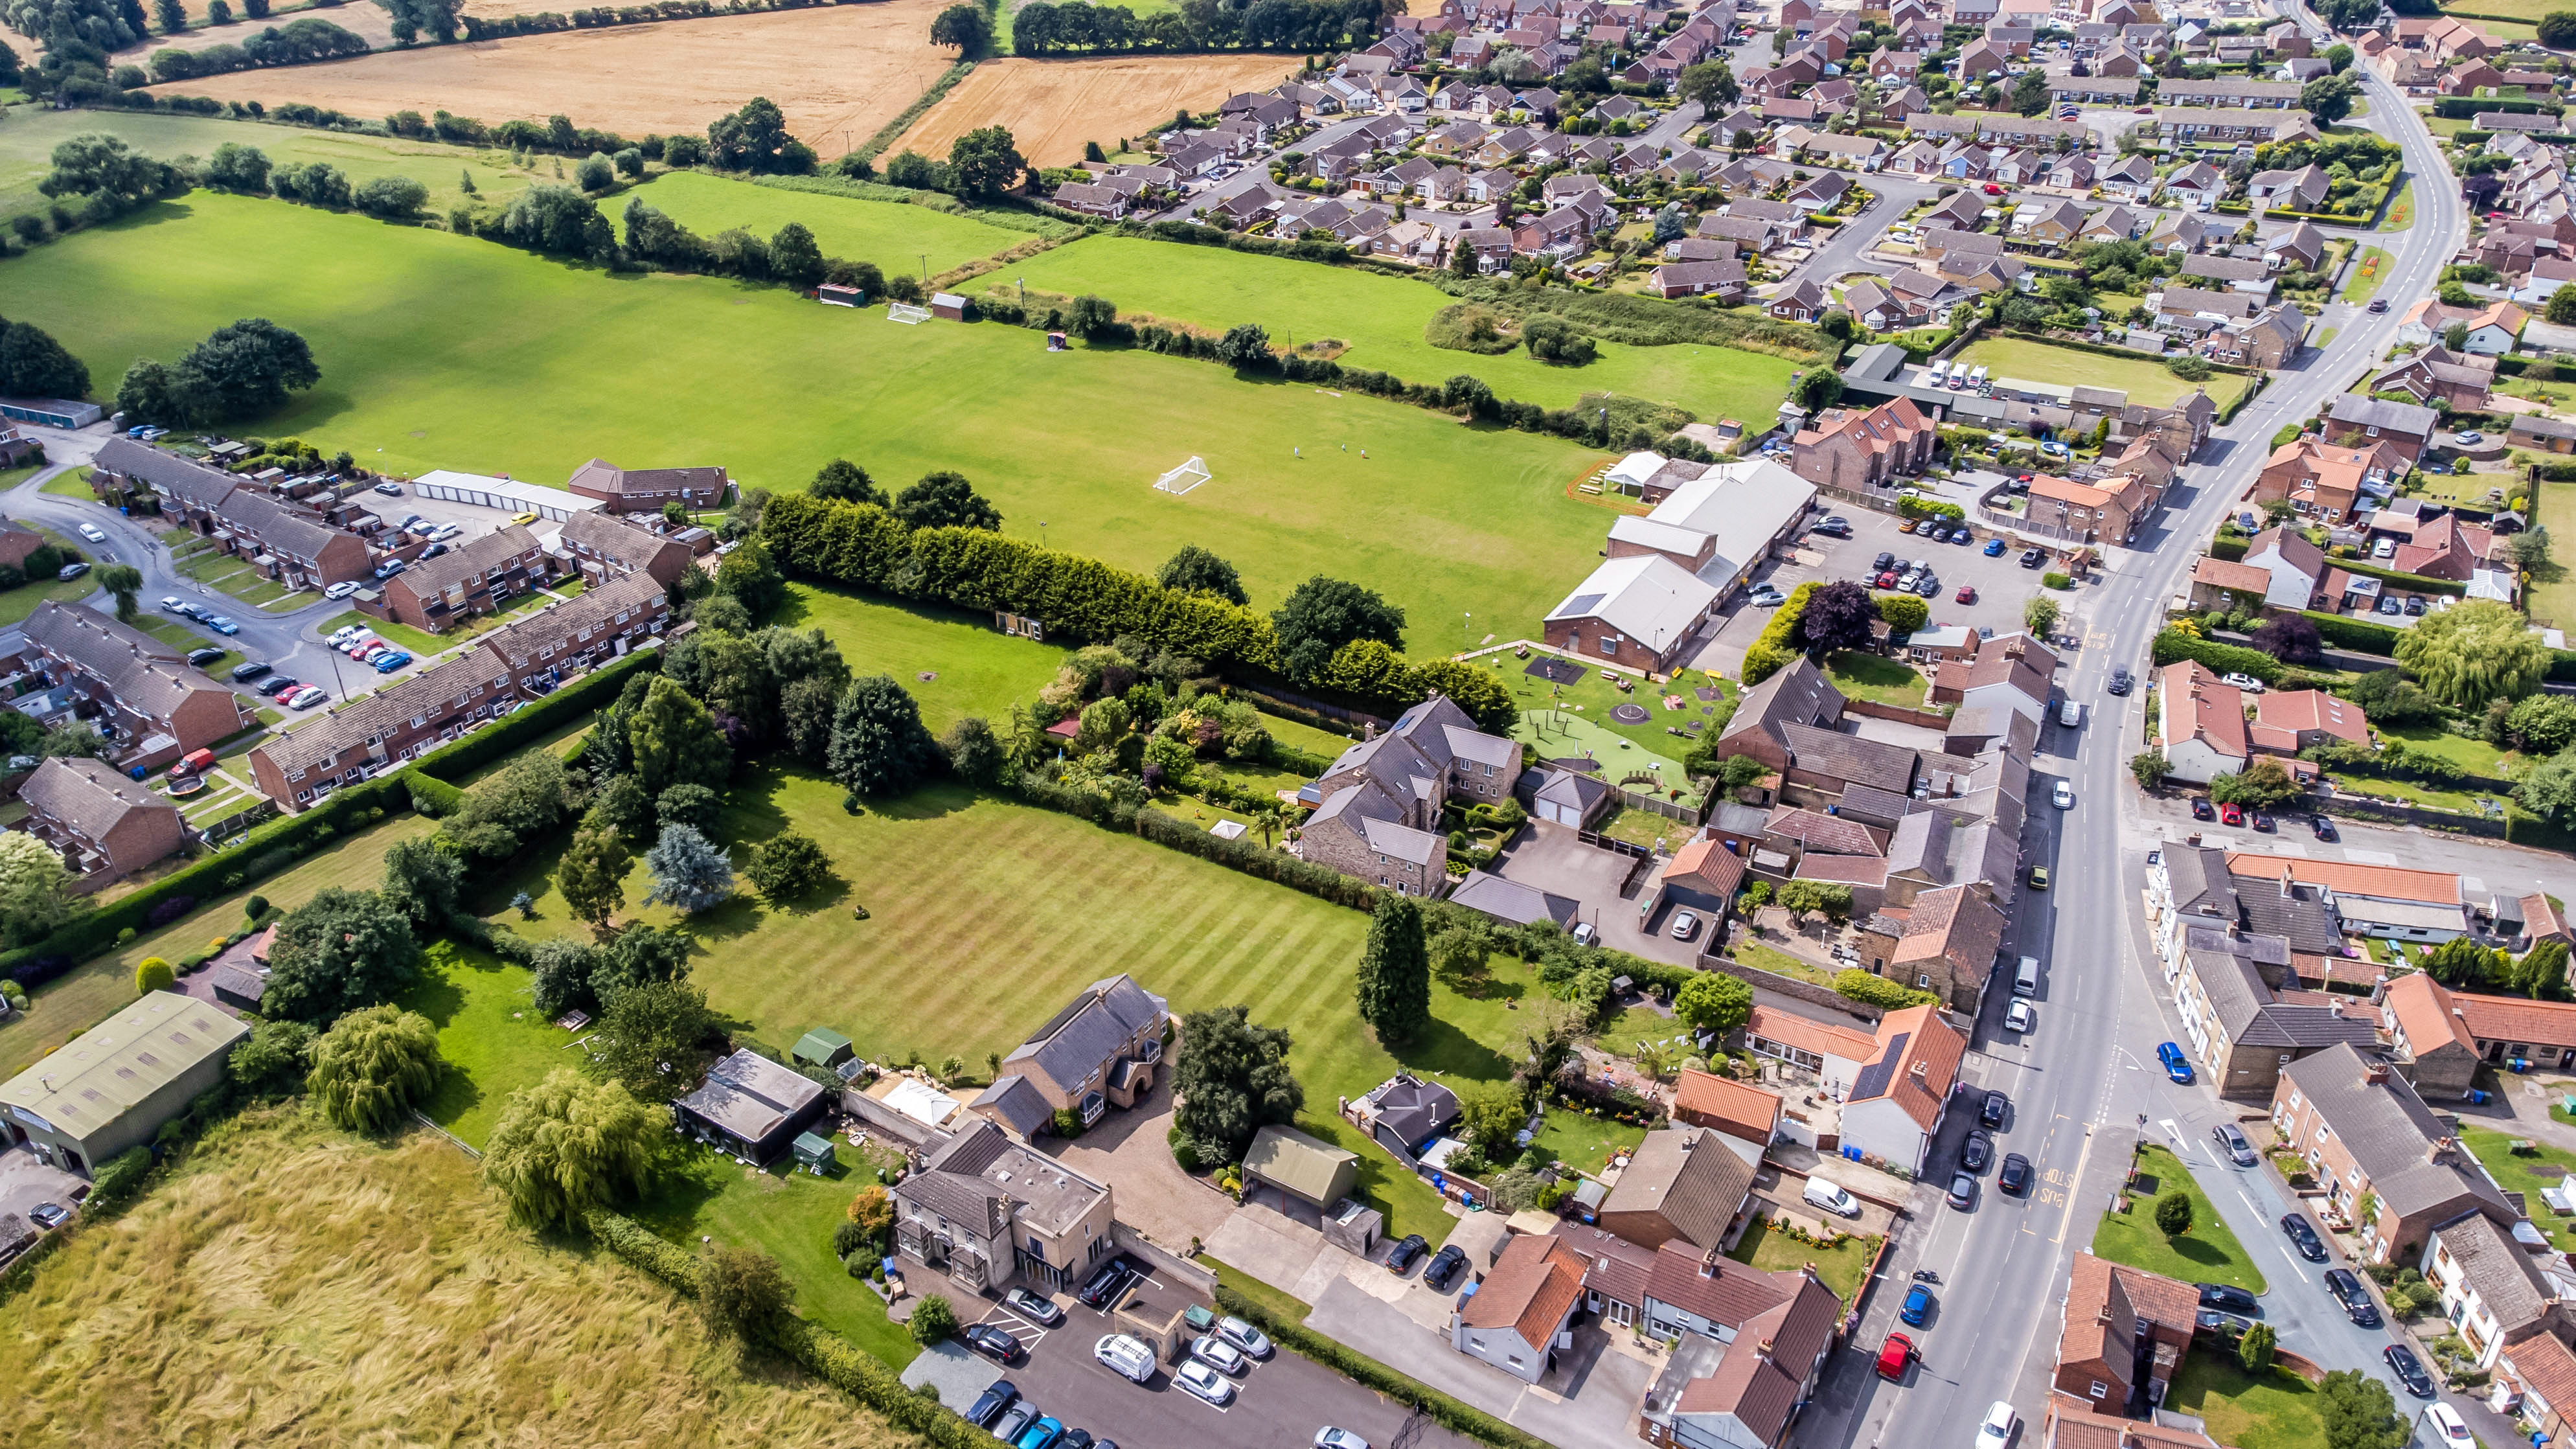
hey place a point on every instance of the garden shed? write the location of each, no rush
(823, 1047)
(813, 1150)
(751, 1105)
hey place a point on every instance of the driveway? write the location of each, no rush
(1126, 1149)
(1589, 1398)
(1551, 858)
(26, 1181)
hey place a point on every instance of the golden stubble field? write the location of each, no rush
(1053, 106)
(839, 72)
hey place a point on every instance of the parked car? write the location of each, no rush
(1198, 1379)
(2063, 797)
(1995, 1431)
(49, 1214)
(1329, 1437)
(1244, 1336)
(1991, 1111)
(2201, 809)
(1041, 1311)
(1044, 1434)
(2415, 606)
(2386, 548)
(2388, 605)
(993, 1343)
(2260, 821)
(2038, 877)
(2304, 1237)
(1444, 1267)
(1967, 594)
(2409, 1370)
(222, 624)
(2246, 682)
(1918, 1305)
(1892, 1356)
(1994, 548)
(341, 590)
(1218, 1354)
(173, 604)
(2121, 680)
(1883, 562)
(306, 698)
(2231, 1142)
(2470, 439)
(2448, 1430)
(1127, 1355)
(2231, 813)
(205, 656)
(1977, 1151)
(2228, 1326)
(390, 490)
(1963, 1191)
(989, 1405)
(2177, 1066)
(1834, 528)
(2032, 558)
(1103, 1284)
(1015, 1421)
(71, 571)
(433, 551)
(2229, 1297)
(390, 660)
(93, 533)
(1685, 926)
(2014, 1176)
(1401, 1258)
(2347, 1290)
(1929, 586)
(278, 688)
(1585, 934)
(2021, 1017)
(390, 567)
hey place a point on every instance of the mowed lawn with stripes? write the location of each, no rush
(985, 916)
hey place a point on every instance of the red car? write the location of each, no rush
(1967, 594)
(2231, 814)
(1993, 190)
(1891, 1359)
(1887, 579)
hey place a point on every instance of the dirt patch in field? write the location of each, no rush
(1053, 106)
(838, 72)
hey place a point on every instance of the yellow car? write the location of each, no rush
(524, 519)
(2039, 877)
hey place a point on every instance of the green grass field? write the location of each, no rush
(2366, 275)
(2209, 1253)
(2552, 600)
(1382, 318)
(18, 603)
(404, 636)
(2526, 1172)
(981, 670)
(2276, 1411)
(442, 351)
(2144, 381)
(1841, 1268)
(1876, 677)
(1566, 719)
(892, 234)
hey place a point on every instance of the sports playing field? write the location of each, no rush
(895, 235)
(1382, 318)
(444, 352)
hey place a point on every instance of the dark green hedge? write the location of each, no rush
(1369, 1373)
(2413, 583)
(2228, 549)
(2361, 636)
(2173, 644)
(2460, 108)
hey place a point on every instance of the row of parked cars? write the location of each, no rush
(220, 623)
(356, 642)
(293, 693)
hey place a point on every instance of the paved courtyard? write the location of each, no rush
(1128, 1150)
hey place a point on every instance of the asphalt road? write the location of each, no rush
(2103, 1006)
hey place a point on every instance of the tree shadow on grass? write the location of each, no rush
(1445, 1049)
(2207, 1255)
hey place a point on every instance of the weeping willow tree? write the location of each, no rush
(567, 1145)
(372, 1066)
(2474, 652)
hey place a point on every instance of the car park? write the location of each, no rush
(2304, 1236)
(994, 1343)
(1977, 1151)
(1892, 1356)
(2014, 1175)
(1918, 1305)
(2229, 1297)
(2347, 1290)
(1444, 1267)
(1197, 1378)
(2021, 1017)
(1991, 1111)
(1963, 1191)
(1685, 926)
(1994, 548)
(1401, 1258)
(1103, 1284)
(2232, 1144)
(2409, 1370)
(1041, 1311)
(1015, 1421)
(1244, 1336)
(2177, 1066)
(990, 1404)
(1044, 1434)
(1218, 1354)
(1127, 1355)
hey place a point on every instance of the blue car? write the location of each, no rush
(1042, 1434)
(1994, 548)
(1918, 1306)
(388, 663)
(2177, 1066)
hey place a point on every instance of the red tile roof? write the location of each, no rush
(1931, 1044)
(1822, 1038)
(1707, 1100)
(2202, 707)
(2280, 717)
(2387, 882)
(1708, 865)
(1532, 1288)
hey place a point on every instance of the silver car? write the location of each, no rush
(1218, 1354)
(1685, 926)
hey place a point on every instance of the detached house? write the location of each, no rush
(2201, 722)
(1099, 1051)
(1518, 1317)
(1378, 806)
(645, 490)
(984, 1208)
(2118, 1320)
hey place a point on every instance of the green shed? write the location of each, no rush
(823, 1047)
(812, 1150)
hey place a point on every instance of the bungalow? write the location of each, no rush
(1802, 301)
(2201, 723)
(1721, 279)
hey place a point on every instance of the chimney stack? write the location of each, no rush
(2439, 1152)
(2375, 1074)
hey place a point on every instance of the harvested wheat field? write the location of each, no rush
(839, 72)
(1053, 106)
(293, 1286)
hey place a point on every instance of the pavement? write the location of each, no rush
(2085, 1075)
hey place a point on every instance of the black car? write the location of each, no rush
(1402, 1257)
(1991, 1112)
(2032, 558)
(2226, 1325)
(2304, 1237)
(206, 655)
(1445, 1267)
(2409, 1370)
(1883, 562)
(1979, 1151)
(2322, 826)
(2355, 1299)
(2201, 809)
(2015, 1177)
(2259, 821)
(1074, 1439)
(1963, 1191)
(991, 1342)
(990, 1404)
(2120, 680)
(2229, 1297)
(1103, 1284)
(252, 670)
(1834, 527)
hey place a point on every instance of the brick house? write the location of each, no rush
(476, 577)
(2324, 481)
(2461, 380)
(1848, 449)
(2117, 1317)
(2290, 720)
(1945, 942)
(984, 1208)
(288, 544)
(1644, 612)
(2201, 722)
(645, 490)
(161, 708)
(2107, 511)
(1756, 1347)
(2373, 1143)
(2356, 421)
(2240, 1029)
(603, 546)
(17, 543)
(1378, 805)
(1745, 1117)
(104, 825)
(561, 640)
(1099, 1051)
(1682, 1187)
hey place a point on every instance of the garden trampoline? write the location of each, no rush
(1633, 714)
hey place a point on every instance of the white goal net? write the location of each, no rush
(906, 312)
(1183, 478)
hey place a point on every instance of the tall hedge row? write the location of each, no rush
(2361, 636)
(1776, 645)
(2174, 644)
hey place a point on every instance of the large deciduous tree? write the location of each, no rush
(945, 500)
(985, 162)
(879, 745)
(592, 874)
(755, 139)
(2473, 652)
(1713, 1002)
(32, 889)
(675, 741)
(373, 1066)
(1231, 1079)
(566, 1146)
(651, 1039)
(1195, 570)
(1838, 616)
(848, 482)
(33, 364)
(1324, 614)
(341, 950)
(249, 367)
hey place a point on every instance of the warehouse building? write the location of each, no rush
(116, 1083)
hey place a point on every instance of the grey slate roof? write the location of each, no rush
(2250, 1017)
(2390, 1132)
(181, 478)
(470, 560)
(1511, 902)
(1412, 1110)
(2501, 1272)
(1017, 1102)
(1850, 758)
(2360, 411)
(748, 1095)
(2201, 883)
(1092, 1030)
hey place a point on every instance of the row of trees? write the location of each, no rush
(1040, 28)
(298, 42)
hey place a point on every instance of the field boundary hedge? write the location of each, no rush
(887, 134)
(266, 849)
(2174, 644)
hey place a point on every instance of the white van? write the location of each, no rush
(1937, 373)
(2070, 714)
(1977, 376)
(1830, 1197)
(2026, 979)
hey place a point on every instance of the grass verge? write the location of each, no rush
(2209, 1253)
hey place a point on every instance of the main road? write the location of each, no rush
(2085, 1077)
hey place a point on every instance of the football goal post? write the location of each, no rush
(1183, 478)
(906, 312)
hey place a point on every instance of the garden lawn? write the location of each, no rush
(1382, 319)
(441, 351)
(2473, 755)
(986, 916)
(2279, 1410)
(1770, 958)
(2144, 381)
(68, 485)
(2209, 1253)
(18, 603)
(2552, 599)
(2401, 208)
(892, 234)
(89, 993)
(980, 669)
(2526, 1172)
(1875, 677)
(1841, 1267)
